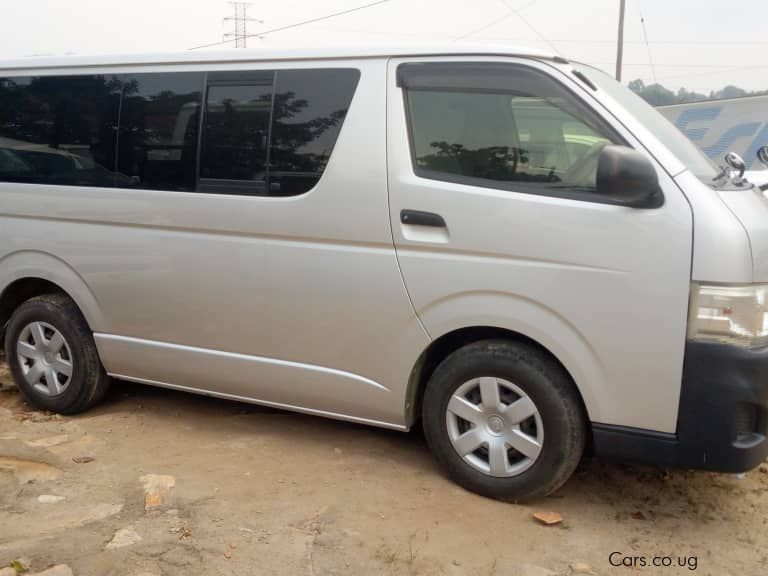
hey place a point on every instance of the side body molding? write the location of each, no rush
(286, 384)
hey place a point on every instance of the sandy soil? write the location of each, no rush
(257, 491)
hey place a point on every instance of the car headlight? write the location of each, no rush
(736, 314)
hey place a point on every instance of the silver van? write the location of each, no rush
(506, 248)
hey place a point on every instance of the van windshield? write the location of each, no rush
(685, 150)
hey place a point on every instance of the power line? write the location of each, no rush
(648, 46)
(495, 21)
(713, 72)
(240, 21)
(646, 65)
(672, 42)
(667, 42)
(531, 3)
(510, 12)
(525, 21)
(445, 36)
(302, 23)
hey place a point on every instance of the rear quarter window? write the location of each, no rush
(309, 109)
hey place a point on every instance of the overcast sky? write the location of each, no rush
(699, 44)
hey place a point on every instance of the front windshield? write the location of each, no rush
(685, 150)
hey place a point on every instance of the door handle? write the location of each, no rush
(419, 218)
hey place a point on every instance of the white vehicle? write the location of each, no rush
(728, 125)
(758, 177)
(506, 248)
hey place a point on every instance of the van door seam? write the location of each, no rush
(389, 206)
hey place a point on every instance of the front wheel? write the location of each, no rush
(504, 420)
(53, 357)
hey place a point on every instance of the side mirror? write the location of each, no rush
(762, 155)
(736, 163)
(628, 177)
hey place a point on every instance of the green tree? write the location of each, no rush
(658, 95)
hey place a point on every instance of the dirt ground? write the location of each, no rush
(257, 491)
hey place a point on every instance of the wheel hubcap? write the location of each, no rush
(495, 426)
(45, 358)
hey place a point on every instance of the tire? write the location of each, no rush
(53, 358)
(548, 422)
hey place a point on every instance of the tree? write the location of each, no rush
(684, 96)
(637, 86)
(658, 95)
(731, 92)
(654, 94)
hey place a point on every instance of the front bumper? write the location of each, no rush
(722, 419)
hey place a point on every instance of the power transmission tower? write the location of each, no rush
(239, 20)
(620, 47)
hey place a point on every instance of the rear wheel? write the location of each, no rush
(53, 357)
(504, 420)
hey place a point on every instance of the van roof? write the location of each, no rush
(271, 53)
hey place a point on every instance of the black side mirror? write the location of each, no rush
(628, 178)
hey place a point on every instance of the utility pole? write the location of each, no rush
(620, 47)
(239, 21)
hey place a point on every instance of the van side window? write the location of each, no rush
(262, 132)
(501, 126)
(236, 132)
(59, 130)
(272, 133)
(158, 130)
(306, 122)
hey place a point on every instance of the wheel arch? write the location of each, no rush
(24, 275)
(441, 347)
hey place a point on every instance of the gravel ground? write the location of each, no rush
(154, 482)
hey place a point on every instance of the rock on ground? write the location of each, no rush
(49, 499)
(156, 489)
(124, 537)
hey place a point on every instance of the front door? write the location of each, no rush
(497, 223)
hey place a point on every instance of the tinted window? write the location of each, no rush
(236, 134)
(59, 130)
(309, 109)
(263, 132)
(158, 130)
(466, 134)
(502, 127)
(557, 145)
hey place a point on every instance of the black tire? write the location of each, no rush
(88, 382)
(554, 395)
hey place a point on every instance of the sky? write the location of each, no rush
(701, 45)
